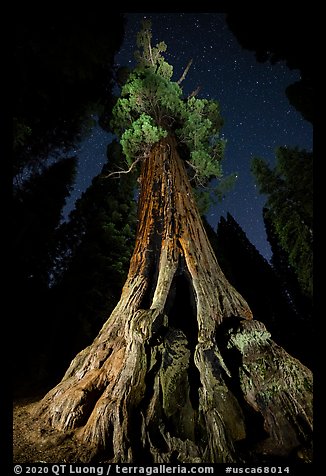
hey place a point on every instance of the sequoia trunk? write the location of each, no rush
(153, 386)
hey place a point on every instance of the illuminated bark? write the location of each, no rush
(154, 386)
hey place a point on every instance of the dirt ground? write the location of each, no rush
(30, 445)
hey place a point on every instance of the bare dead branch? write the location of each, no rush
(194, 168)
(195, 92)
(196, 177)
(119, 172)
(184, 74)
(150, 52)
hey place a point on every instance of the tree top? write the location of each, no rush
(152, 105)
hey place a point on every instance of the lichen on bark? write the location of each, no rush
(276, 385)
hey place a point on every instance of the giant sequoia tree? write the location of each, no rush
(180, 372)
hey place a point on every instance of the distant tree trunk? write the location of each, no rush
(179, 372)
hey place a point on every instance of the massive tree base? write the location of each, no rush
(161, 400)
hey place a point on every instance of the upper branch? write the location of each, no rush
(194, 93)
(119, 172)
(184, 74)
(150, 52)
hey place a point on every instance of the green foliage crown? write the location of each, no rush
(151, 106)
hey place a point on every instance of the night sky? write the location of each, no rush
(258, 117)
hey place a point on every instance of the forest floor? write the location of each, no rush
(29, 443)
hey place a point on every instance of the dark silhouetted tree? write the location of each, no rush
(180, 370)
(270, 299)
(301, 304)
(62, 79)
(289, 207)
(279, 37)
(37, 212)
(94, 250)
(62, 70)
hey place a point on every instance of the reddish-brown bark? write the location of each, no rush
(153, 384)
